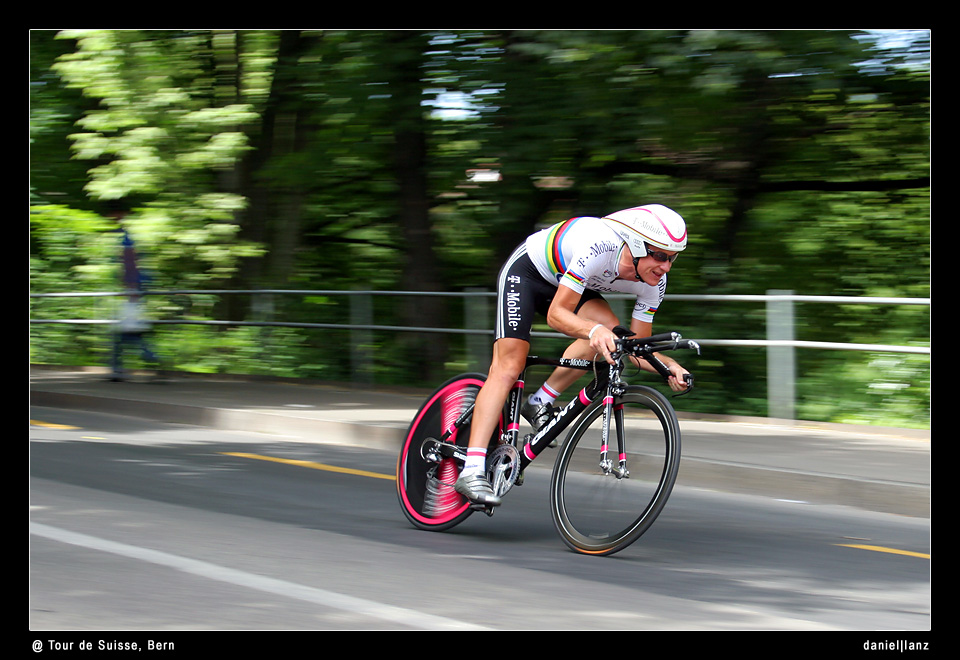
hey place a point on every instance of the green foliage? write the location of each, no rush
(156, 141)
(869, 388)
(283, 159)
(275, 352)
(70, 245)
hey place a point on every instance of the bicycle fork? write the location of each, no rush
(615, 410)
(611, 386)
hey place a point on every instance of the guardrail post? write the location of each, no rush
(262, 306)
(361, 338)
(781, 361)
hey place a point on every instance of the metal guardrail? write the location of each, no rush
(769, 299)
(780, 343)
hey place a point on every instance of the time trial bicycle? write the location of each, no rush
(600, 502)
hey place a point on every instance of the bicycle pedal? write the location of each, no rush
(483, 508)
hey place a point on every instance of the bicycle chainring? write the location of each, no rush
(503, 468)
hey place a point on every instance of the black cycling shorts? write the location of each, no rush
(522, 292)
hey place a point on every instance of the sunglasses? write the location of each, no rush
(662, 257)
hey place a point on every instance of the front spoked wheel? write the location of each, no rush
(598, 511)
(425, 476)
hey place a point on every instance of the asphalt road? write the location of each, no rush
(149, 527)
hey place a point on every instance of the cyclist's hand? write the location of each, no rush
(603, 342)
(677, 381)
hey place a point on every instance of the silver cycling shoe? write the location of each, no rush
(477, 489)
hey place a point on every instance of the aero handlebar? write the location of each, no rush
(646, 347)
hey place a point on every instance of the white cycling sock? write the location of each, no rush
(545, 394)
(476, 460)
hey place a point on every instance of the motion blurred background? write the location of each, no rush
(259, 173)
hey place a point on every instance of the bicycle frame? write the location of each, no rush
(541, 440)
(606, 382)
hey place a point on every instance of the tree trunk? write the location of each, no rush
(403, 62)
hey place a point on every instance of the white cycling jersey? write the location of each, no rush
(584, 253)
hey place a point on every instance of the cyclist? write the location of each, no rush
(562, 272)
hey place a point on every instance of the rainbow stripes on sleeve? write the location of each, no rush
(554, 251)
(555, 260)
(574, 280)
(648, 313)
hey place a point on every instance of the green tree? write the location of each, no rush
(159, 142)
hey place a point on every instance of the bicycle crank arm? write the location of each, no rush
(433, 451)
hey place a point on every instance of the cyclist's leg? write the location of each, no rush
(509, 358)
(520, 291)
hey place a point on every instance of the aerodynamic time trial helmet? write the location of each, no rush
(654, 224)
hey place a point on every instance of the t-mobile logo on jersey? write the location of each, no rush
(513, 302)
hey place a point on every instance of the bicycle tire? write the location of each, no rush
(597, 513)
(425, 489)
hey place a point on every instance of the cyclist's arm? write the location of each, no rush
(563, 317)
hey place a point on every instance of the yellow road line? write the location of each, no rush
(312, 465)
(50, 425)
(390, 477)
(880, 548)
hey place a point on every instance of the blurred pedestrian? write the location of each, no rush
(131, 328)
(132, 325)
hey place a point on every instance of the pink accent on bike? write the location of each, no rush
(451, 407)
(447, 474)
(583, 397)
(450, 393)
